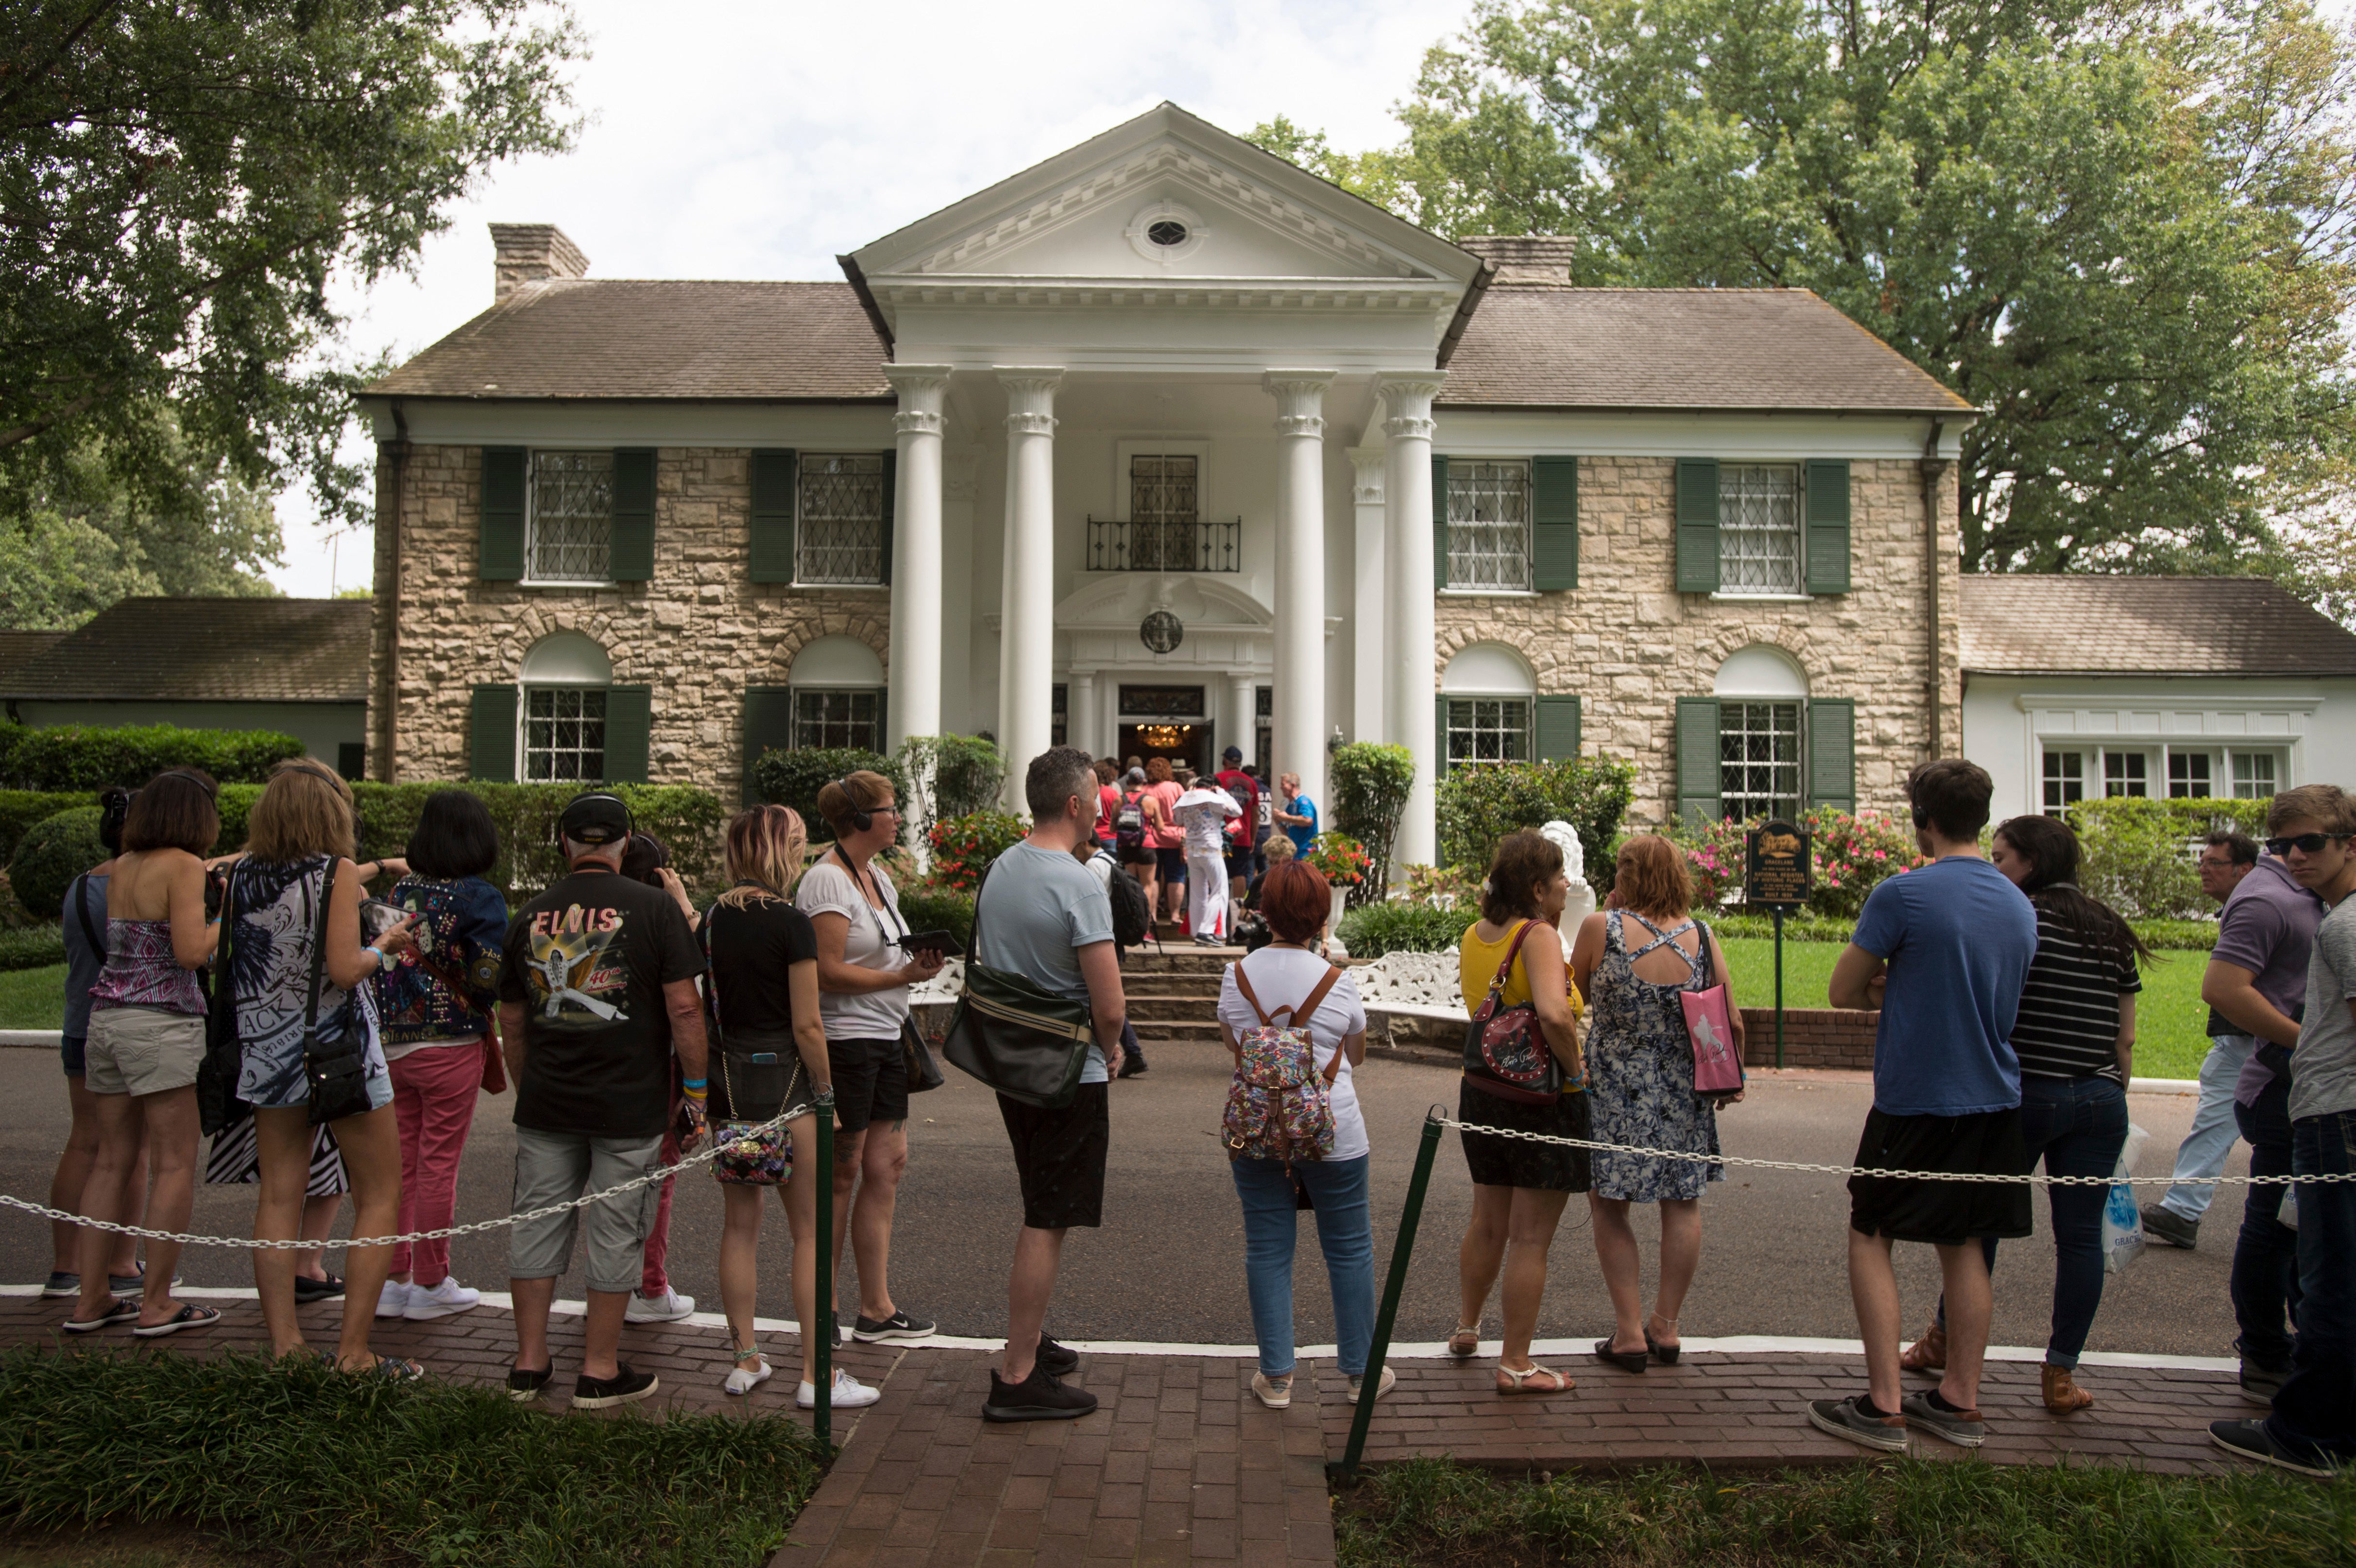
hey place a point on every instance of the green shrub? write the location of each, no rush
(87, 757)
(1479, 805)
(967, 773)
(794, 779)
(2161, 935)
(20, 808)
(1372, 930)
(35, 949)
(963, 849)
(1849, 854)
(2139, 855)
(1369, 785)
(929, 907)
(52, 853)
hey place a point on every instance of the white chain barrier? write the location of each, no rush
(710, 1151)
(2032, 1178)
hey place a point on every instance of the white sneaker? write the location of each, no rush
(668, 1307)
(849, 1393)
(444, 1300)
(392, 1301)
(744, 1378)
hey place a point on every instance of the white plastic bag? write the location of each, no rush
(2121, 1219)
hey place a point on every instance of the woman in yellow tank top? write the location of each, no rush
(1519, 1188)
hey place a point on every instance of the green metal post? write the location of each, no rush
(1779, 988)
(1402, 1249)
(821, 1322)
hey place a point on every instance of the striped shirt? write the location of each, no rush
(2068, 1026)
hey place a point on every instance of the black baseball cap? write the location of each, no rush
(1232, 754)
(595, 819)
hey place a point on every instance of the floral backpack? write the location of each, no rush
(1280, 1106)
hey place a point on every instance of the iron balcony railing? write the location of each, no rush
(1202, 545)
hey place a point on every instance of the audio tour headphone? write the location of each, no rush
(630, 822)
(860, 819)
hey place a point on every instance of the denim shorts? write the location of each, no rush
(75, 1050)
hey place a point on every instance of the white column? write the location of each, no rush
(1409, 686)
(914, 708)
(1297, 734)
(1026, 642)
(1080, 712)
(1243, 705)
(1368, 717)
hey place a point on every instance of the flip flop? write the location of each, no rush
(120, 1311)
(392, 1369)
(189, 1316)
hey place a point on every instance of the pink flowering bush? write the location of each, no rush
(1851, 853)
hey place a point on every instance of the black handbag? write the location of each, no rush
(924, 1073)
(1024, 1041)
(761, 1071)
(217, 1106)
(338, 1075)
(1505, 1050)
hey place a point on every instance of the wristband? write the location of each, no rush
(694, 1082)
(698, 1095)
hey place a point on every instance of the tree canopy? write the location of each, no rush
(2123, 230)
(179, 180)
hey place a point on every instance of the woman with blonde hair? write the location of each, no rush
(762, 995)
(297, 880)
(1641, 1064)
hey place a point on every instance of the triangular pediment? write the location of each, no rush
(1163, 198)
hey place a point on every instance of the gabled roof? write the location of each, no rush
(205, 650)
(592, 339)
(1769, 349)
(17, 647)
(2060, 625)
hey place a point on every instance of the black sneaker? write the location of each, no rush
(899, 1326)
(1060, 1360)
(1039, 1397)
(2259, 1385)
(1850, 1418)
(523, 1387)
(1133, 1068)
(625, 1387)
(2250, 1440)
(2161, 1223)
(1965, 1428)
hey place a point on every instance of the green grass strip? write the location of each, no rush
(1432, 1513)
(298, 1458)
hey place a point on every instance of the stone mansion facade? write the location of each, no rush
(1160, 446)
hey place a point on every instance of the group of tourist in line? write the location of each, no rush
(1198, 846)
(632, 1029)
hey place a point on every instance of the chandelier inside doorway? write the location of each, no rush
(1164, 735)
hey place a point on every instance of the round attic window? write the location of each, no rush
(1166, 232)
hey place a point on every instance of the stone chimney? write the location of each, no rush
(531, 253)
(1527, 260)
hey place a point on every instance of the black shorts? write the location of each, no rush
(1137, 855)
(1492, 1161)
(1060, 1156)
(1943, 1213)
(1240, 864)
(870, 1081)
(1171, 864)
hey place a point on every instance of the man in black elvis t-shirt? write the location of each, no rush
(598, 992)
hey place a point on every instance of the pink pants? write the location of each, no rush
(434, 1094)
(654, 1281)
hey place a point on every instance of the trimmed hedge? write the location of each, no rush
(1479, 805)
(2139, 855)
(36, 949)
(52, 853)
(89, 757)
(794, 779)
(20, 808)
(929, 908)
(2170, 935)
(1372, 930)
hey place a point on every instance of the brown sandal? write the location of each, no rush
(1928, 1354)
(2062, 1394)
(1466, 1343)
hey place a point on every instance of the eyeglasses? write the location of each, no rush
(2305, 843)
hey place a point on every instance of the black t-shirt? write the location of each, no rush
(753, 952)
(588, 959)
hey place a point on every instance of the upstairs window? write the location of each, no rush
(571, 520)
(1488, 525)
(841, 523)
(1759, 528)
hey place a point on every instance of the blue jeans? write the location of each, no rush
(1344, 1232)
(2200, 1158)
(2315, 1412)
(2265, 1283)
(2077, 1126)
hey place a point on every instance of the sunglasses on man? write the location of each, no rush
(2306, 844)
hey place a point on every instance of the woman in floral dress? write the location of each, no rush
(1632, 961)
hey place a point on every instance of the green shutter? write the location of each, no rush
(1699, 785)
(1827, 528)
(1832, 752)
(500, 550)
(884, 719)
(768, 727)
(773, 517)
(491, 734)
(1440, 534)
(1440, 741)
(629, 732)
(633, 549)
(1557, 728)
(1554, 520)
(1697, 525)
(891, 514)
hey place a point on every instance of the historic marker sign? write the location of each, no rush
(1776, 867)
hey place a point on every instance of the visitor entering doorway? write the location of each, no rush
(1186, 744)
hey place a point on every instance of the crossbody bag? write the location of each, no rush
(1024, 1041)
(336, 1075)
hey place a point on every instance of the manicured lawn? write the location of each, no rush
(2169, 1015)
(33, 998)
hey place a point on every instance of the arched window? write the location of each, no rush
(1759, 746)
(837, 684)
(1490, 711)
(566, 677)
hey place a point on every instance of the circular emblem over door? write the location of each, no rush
(1162, 632)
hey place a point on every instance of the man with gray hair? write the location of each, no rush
(2226, 860)
(597, 995)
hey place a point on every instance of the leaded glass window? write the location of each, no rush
(563, 734)
(1488, 525)
(1759, 759)
(572, 535)
(840, 532)
(1759, 528)
(1165, 511)
(1482, 730)
(836, 719)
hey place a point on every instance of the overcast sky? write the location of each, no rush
(732, 140)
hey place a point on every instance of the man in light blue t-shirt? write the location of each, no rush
(1943, 952)
(1042, 915)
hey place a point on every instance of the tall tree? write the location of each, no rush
(2128, 232)
(178, 181)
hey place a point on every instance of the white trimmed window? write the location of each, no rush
(1488, 730)
(839, 531)
(2065, 780)
(2256, 774)
(1488, 523)
(2127, 774)
(568, 529)
(565, 681)
(1759, 759)
(1759, 528)
(838, 718)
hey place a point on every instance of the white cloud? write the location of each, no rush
(749, 141)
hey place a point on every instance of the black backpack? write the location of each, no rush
(1132, 920)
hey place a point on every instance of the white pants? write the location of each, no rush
(1206, 895)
